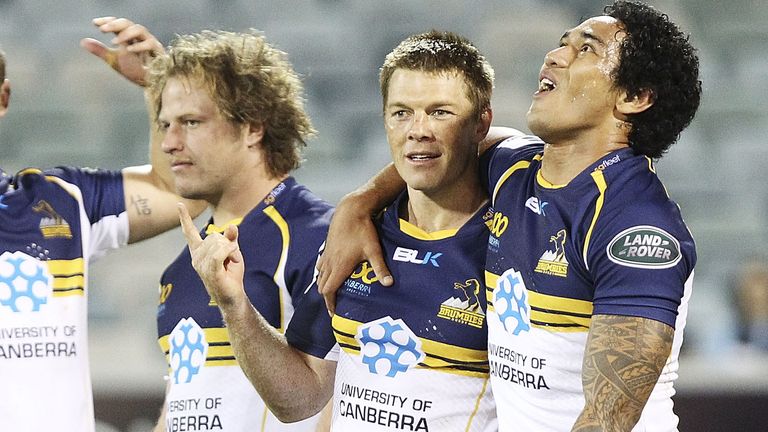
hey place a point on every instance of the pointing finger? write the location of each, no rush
(188, 227)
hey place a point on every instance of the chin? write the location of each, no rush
(187, 192)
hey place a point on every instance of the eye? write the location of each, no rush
(440, 113)
(162, 126)
(191, 122)
(400, 114)
(586, 48)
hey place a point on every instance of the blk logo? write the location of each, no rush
(536, 206)
(412, 256)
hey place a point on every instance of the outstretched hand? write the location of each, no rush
(352, 239)
(135, 47)
(217, 259)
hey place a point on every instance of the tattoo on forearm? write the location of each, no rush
(622, 362)
(141, 205)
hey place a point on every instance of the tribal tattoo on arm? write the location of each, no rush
(623, 359)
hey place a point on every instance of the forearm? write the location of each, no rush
(623, 359)
(496, 134)
(289, 386)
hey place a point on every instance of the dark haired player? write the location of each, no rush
(589, 262)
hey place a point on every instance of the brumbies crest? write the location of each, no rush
(464, 307)
(51, 224)
(644, 246)
(553, 261)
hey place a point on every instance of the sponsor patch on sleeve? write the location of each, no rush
(644, 246)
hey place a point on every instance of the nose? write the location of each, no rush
(172, 140)
(420, 128)
(558, 57)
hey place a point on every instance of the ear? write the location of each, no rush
(486, 118)
(5, 96)
(627, 105)
(254, 133)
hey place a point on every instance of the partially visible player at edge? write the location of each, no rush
(232, 120)
(53, 224)
(421, 344)
(589, 264)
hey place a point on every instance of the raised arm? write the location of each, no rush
(294, 385)
(352, 237)
(623, 359)
(150, 197)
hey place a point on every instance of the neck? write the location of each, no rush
(437, 211)
(564, 159)
(240, 198)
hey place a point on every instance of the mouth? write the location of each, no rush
(545, 85)
(179, 165)
(421, 156)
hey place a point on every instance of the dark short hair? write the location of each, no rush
(439, 52)
(657, 57)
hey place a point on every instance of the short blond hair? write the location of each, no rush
(250, 81)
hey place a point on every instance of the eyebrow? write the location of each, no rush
(588, 35)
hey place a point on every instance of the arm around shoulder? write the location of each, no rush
(352, 237)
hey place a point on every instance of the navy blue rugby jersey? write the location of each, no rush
(52, 224)
(609, 242)
(279, 240)
(49, 208)
(611, 237)
(420, 341)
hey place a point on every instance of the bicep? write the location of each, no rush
(623, 359)
(150, 204)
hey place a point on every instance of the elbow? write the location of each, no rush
(291, 414)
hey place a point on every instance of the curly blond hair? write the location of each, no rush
(250, 82)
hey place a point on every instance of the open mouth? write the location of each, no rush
(546, 85)
(421, 157)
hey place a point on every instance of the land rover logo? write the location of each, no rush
(644, 247)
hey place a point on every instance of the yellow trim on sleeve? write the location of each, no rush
(599, 179)
(279, 277)
(511, 170)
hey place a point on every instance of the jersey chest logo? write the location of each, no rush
(52, 225)
(25, 282)
(464, 307)
(188, 350)
(553, 261)
(388, 347)
(510, 301)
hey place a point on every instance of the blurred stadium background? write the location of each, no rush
(68, 108)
